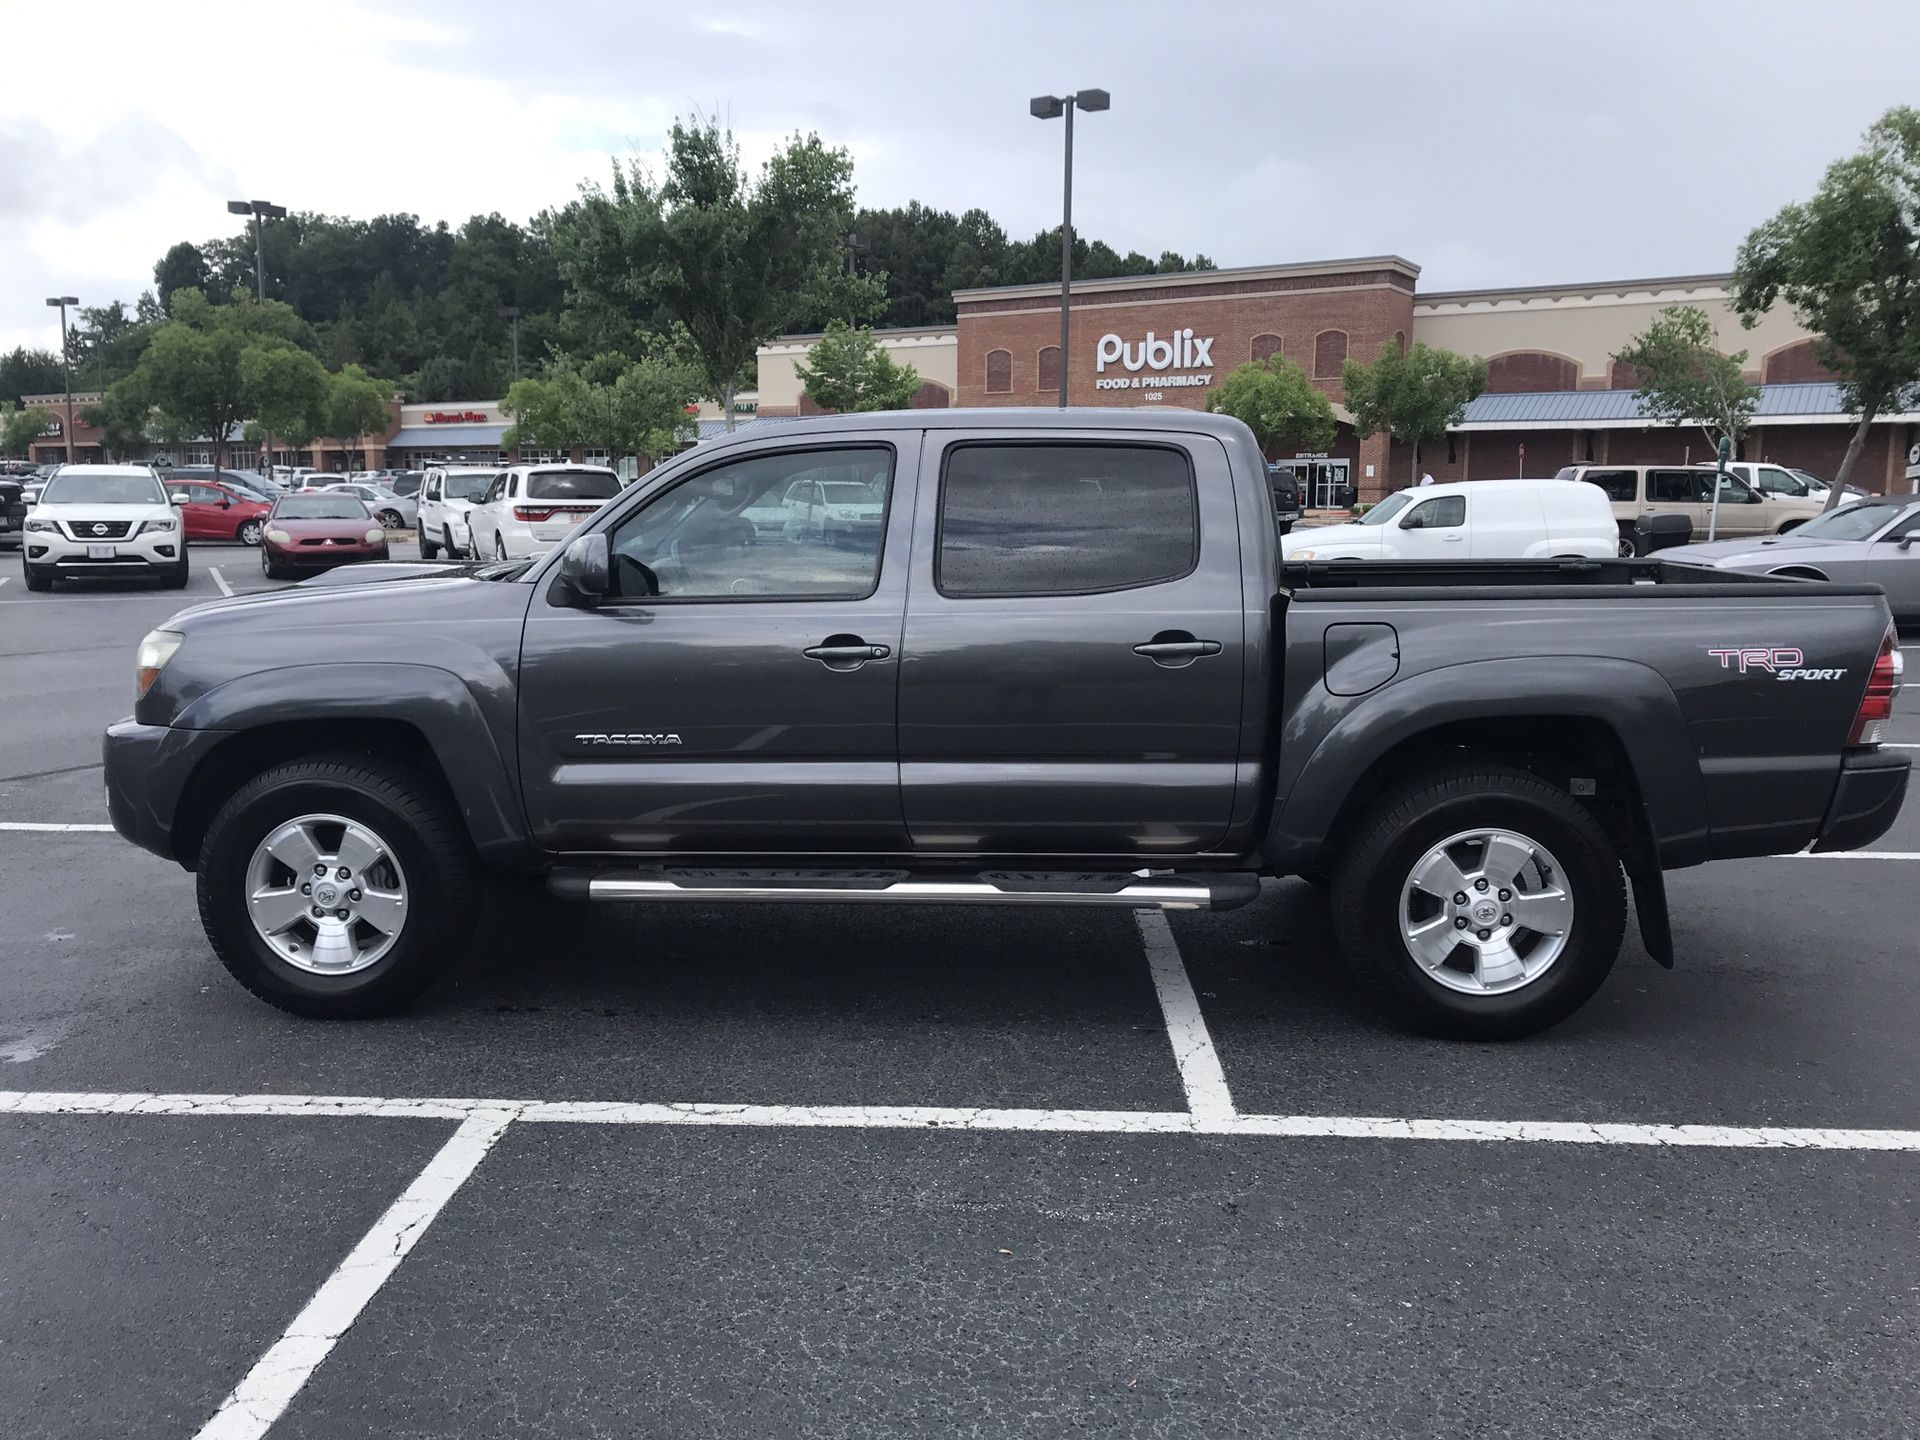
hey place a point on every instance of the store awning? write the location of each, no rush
(1800, 403)
(447, 437)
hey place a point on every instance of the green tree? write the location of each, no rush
(733, 260)
(183, 267)
(354, 407)
(847, 370)
(1848, 262)
(1685, 380)
(121, 416)
(19, 429)
(1414, 395)
(286, 391)
(611, 403)
(28, 372)
(1277, 402)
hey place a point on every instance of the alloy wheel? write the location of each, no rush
(1486, 911)
(326, 894)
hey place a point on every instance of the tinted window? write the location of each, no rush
(1619, 484)
(1443, 512)
(725, 534)
(1679, 487)
(572, 485)
(1065, 519)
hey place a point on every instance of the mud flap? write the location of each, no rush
(1650, 903)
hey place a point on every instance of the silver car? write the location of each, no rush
(395, 512)
(1874, 542)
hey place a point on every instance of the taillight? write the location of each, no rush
(529, 516)
(1876, 706)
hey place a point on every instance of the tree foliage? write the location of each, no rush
(19, 429)
(1414, 395)
(611, 403)
(122, 416)
(1684, 379)
(1276, 400)
(28, 372)
(848, 371)
(286, 391)
(729, 259)
(1848, 262)
(354, 406)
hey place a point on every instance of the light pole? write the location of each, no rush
(61, 302)
(1049, 107)
(511, 314)
(261, 210)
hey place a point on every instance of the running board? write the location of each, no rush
(1143, 889)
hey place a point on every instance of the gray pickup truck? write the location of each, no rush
(1059, 664)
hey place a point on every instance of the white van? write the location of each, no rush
(1472, 520)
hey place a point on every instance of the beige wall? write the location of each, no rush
(1588, 325)
(932, 353)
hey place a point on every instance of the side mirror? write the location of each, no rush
(583, 579)
(178, 497)
(1907, 540)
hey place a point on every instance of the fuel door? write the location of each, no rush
(1361, 657)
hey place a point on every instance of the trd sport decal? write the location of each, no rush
(1783, 662)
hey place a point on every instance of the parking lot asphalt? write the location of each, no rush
(942, 1185)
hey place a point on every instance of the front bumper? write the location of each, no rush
(147, 770)
(1866, 802)
(135, 554)
(323, 557)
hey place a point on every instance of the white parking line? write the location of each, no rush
(220, 580)
(267, 1389)
(1200, 1073)
(1851, 855)
(40, 827)
(5, 579)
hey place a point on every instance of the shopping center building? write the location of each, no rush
(1555, 395)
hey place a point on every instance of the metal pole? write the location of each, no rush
(516, 345)
(1719, 479)
(1066, 258)
(66, 376)
(259, 258)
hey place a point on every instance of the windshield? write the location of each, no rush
(1812, 482)
(1854, 522)
(572, 485)
(70, 488)
(467, 487)
(320, 507)
(1388, 508)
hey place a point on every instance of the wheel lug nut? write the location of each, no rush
(1486, 934)
(1460, 923)
(319, 869)
(1461, 898)
(1480, 884)
(340, 914)
(1505, 895)
(1506, 919)
(306, 889)
(318, 913)
(345, 874)
(354, 895)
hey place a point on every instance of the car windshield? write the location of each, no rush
(320, 507)
(1388, 508)
(69, 488)
(1854, 522)
(1813, 482)
(572, 485)
(846, 492)
(468, 487)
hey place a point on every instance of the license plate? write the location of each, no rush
(102, 552)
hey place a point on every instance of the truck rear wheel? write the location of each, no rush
(1480, 903)
(338, 886)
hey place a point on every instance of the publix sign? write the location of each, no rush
(1176, 362)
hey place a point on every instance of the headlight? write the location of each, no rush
(152, 657)
(279, 537)
(45, 525)
(167, 524)
(375, 536)
(1299, 555)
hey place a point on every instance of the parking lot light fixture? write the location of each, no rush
(1050, 107)
(260, 210)
(61, 302)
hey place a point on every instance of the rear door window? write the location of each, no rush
(1679, 487)
(1620, 485)
(1040, 519)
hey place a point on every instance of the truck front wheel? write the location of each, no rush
(338, 886)
(1480, 903)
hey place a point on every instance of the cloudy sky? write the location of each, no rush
(1491, 143)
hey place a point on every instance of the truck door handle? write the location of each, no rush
(1452, 539)
(1176, 647)
(845, 652)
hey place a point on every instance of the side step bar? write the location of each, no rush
(1137, 890)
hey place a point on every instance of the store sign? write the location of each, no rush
(455, 417)
(1154, 363)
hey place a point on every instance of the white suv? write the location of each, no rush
(446, 495)
(97, 521)
(529, 509)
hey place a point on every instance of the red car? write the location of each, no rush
(305, 534)
(216, 512)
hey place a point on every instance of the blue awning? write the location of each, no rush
(447, 437)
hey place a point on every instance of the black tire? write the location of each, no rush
(499, 546)
(1399, 829)
(453, 550)
(428, 550)
(37, 577)
(1629, 546)
(268, 568)
(176, 578)
(412, 813)
(391, 520)
(249, 532)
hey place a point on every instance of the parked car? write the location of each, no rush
(843, 509)
(1284, 485)
(396, 512)
(1470, 520)
(1066, 670)
(13, 508)
(1637, 490)
(242, 482)
(1873, 542)
(528, 509)
(1818, 488)
(307, 533)
(406, 482)
(220, 512)
(97, 522)
(1780, 481)
(446, 496)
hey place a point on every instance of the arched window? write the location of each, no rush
(1400, 340)
(999, 372)
(1329, 350)
(1263, 346)
(1796, 362)
(1531, 370)
(932, 395)
(1622, 376)
(1048, 368)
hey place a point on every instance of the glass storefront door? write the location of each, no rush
(1320, 479)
